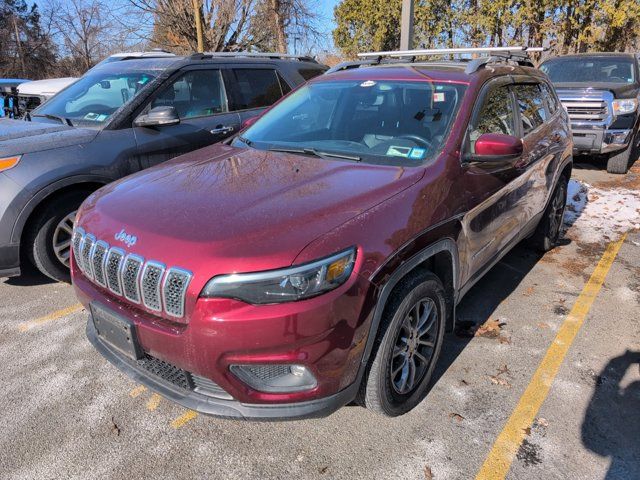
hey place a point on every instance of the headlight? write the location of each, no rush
(624, 106)
(286, 285)
(9, 162)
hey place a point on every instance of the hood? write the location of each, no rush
(45, 88)
(225, 210)
(18, 137)
(619, 90)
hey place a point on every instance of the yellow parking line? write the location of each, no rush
(23, 327)
(184, 418)
(498, 462)
(137, 391)
(153, 402)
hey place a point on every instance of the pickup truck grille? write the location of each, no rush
(586, 110)
(158, 288)
(586, 106)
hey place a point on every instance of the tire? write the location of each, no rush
(619, 163)
(381, 390)
(549, 229)
(39, 240)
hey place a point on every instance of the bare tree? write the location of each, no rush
(87, 31)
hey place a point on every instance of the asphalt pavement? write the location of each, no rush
(541, 380)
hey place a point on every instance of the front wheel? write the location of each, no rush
(48, 240)
(412, 331)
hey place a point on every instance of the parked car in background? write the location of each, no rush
(121, 117)
(319, 256)
(600, 91)
(32, 94)
(9, 97)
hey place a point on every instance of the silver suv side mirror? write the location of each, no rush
(158, 116)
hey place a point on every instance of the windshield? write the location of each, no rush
(92, 100)
(590, 70)
(390, 122)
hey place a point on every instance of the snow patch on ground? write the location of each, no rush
(595, 215)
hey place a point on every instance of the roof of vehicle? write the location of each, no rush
(594, 54)
(49, 85)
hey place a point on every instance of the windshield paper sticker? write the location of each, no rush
(368, 83)
(438, 97)
(396, 151)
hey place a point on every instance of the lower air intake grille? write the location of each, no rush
(268, 372)
(166, 371)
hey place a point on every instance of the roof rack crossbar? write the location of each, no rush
(274, 55)
(452, 51)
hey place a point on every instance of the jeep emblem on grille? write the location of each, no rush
(124, 237)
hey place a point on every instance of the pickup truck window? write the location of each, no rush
(590, 70)
(531, 106)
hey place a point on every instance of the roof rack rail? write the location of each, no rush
(273, 55)
(450, 51)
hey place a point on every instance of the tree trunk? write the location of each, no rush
(277, 7)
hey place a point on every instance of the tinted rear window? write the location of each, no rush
(309, 73)
(256, 88)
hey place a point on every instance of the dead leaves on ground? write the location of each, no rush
(499, 378)
(456, 416)
(428, 474)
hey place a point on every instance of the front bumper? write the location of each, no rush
(220, 407)
(597, 139)
(326, 334)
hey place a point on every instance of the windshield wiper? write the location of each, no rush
(246, 141)
(317, 153)
(62, 120)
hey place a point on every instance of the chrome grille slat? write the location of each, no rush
(98, 261)
(113, 264)
(85, 255)
(174, 289)
(151, 281)
(76, 243)
(131, 269)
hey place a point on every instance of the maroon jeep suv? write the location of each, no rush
(318, 257)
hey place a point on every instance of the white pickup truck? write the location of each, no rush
(32, 94)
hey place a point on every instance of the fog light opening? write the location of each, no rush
(275, 378)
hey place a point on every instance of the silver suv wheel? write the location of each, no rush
(62, 238)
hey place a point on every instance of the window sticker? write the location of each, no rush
(417, 153)
(438, 97)
(397, 151)
(368, 83)
(95, 117)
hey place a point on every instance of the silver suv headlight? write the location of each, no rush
(286, 285)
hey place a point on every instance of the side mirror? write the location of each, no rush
(496, 147)
(250, 121)
(158, 116)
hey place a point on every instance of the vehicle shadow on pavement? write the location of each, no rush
(611, 425)
(29, 277)
(482, 300)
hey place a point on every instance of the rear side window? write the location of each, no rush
(496, 116)
(531, 106)
(256, 88)
(309, 73)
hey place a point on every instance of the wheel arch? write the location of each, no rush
(88, 183)
(441, 258)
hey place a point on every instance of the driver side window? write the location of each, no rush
(198, 93)
(497, 115)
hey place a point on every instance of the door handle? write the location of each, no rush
(221, 129)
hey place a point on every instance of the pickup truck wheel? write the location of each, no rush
(549, 229)
(619, 163)
(411, 334)
(48, 238)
